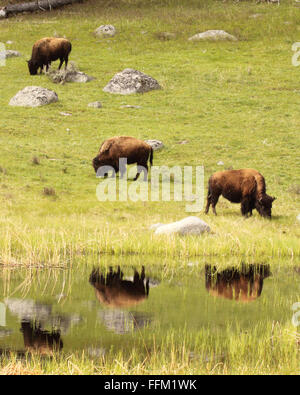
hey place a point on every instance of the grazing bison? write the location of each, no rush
(48, 50)
(40, 341)
(115, 148)
(113, 291)
(243, 285)
(245, 186)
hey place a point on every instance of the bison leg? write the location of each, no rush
(208, 203)
(246, 207)
(66, 61)
(139, 170)
(212, 200)
(60, 63)
(142, 168)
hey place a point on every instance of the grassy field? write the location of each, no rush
(235, 102)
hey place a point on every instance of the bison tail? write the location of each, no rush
(151, 156)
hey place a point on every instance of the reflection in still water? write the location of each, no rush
(37, 340)
(114, 292)
(244, 285)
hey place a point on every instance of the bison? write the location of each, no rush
(244, 285)
(47, 50)
(245, 186)
(113, 291)
(37, 340)
(129, 148)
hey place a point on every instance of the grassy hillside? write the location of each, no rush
(233, 102)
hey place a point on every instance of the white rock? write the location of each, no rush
(105, 31)
(95, 104)
(213, 35)
(187, 226)
(9, 53)
(155, 144)
(298, 217)
(33, 96)
(131, 81)
(220, 163)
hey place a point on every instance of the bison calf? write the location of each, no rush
(123, 147)
(245, 186)
(47, 50)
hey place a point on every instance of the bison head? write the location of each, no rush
(96, 163)
(264, 205)
(33, 67)
(101, 167)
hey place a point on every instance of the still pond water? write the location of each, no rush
(97, 310)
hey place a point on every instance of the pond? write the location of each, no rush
(100, 310)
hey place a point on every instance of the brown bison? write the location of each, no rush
(47, 50)
(113, 291)
(243, 285)
(245, 186)
(129, 148)
(37, 340)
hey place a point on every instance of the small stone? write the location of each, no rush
(213, 35)
(155, 144)
(166, 36)
(298, 217)
(95, 104)
(220, 163)
(66, 114)
(105, 31)
(8, 42)
(129, 106)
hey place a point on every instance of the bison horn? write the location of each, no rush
(273, 198)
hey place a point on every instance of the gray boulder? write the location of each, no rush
(155, 144)
(131, 81)
(105, 31)
(33, 96)
(213, 35)
(187, 226)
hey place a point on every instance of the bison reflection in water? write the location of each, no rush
(113, 291)
(243, 285)
(37, 340)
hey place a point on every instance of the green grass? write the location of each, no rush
(236, 102)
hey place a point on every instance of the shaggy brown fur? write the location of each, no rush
(134, 150)
(47, 50)
(245, 186)
(243, 285)
(111, 290)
